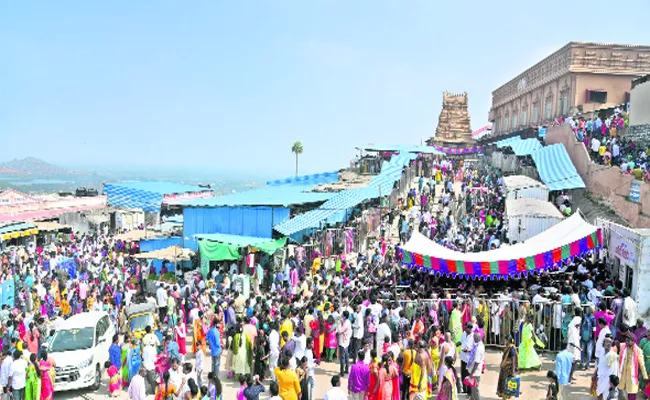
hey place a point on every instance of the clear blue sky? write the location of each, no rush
(222, 84)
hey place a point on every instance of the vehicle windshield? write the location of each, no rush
(139, 322)
(72, 339)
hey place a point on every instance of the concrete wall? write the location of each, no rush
(643, 273)
(85, 221)
(614, 85)
(640, 104)
(608, 183)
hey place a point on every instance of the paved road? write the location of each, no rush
(534, 384)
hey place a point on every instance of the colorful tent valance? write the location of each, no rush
(570, 238)
(459, 150)
(220, 251)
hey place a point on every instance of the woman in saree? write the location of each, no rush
(124, 357)
(180, 332)
(32, 380)
(455, 325)
(242, 353)
(198, 332)
(135, 358)
(435, 356)
(385, 375)
(509, 364)
(528, 358)
(114, 380)
(330, 338)
(315, 326)
(373, 368)
(46, 367)
(448, 387)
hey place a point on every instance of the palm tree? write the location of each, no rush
(297, 149)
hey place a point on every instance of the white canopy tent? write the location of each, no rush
(566, 232)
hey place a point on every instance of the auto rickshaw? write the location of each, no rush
(139, 316)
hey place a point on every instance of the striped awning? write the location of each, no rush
(556, 169)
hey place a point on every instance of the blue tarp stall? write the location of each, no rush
(8, 292)
(526, 147)
(509, 142)
(252, 213)
(145, 196)
(400, 148)
(556, 169)
(162, 243)
(380, 185)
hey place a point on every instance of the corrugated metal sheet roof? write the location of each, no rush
(381, 184)
(159, 187)
(16, 227)
(146, 196)
(508, 142)
(556, 169)
(284, 196)
(525, 147)
(314, 179)
(514, 182)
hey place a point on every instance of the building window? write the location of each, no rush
(496, 125)
(505, 124)
(548, 111)
(564, 105)
(523, 118)
(514, 120)
(535, 113)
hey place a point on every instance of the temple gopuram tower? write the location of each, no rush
(454, 128)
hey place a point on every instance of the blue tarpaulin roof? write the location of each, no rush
(381, 184)
(147, 196)
(16, 227)
(314, 179)
(284, 196)
(520, 147)
(237, 240)
(556, 169)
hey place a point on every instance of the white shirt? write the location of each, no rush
(149, 358)
(357, 327)
(336, 393)
(301, 345)
(383, 332)
(137, 389)
(310, 362)
(175, 378)
(629, 311)
(161, 294)
(274, 342)
(600, 350)
(199, 363)
(479, 358)
(17, 372)
(4, 371)
(466, 342)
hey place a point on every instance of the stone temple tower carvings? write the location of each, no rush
(454, 127)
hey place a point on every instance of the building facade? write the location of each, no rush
(578, 78)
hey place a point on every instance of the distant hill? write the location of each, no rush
(31, 166)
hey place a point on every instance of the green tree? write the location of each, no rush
(297, 150)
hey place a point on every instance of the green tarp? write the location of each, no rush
(218, 251)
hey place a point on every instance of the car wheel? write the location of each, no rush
(98, 378)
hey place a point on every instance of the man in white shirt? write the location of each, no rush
(383, 332)
(357, 331)
(137, 388)
(466, 345)
(345, 334)
(629, 309)
(161, 296)
(476, 367)
(149, 363)
(604, 331)
(274, 344)
(18, 375)
(5, 368)
(336, 393)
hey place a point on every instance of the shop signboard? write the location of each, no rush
(635, 191)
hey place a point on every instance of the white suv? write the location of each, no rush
(80, 349)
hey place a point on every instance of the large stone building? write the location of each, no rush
(578, 78)
(454, 128)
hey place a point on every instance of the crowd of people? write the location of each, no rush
(394, 333)
(607, 145)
